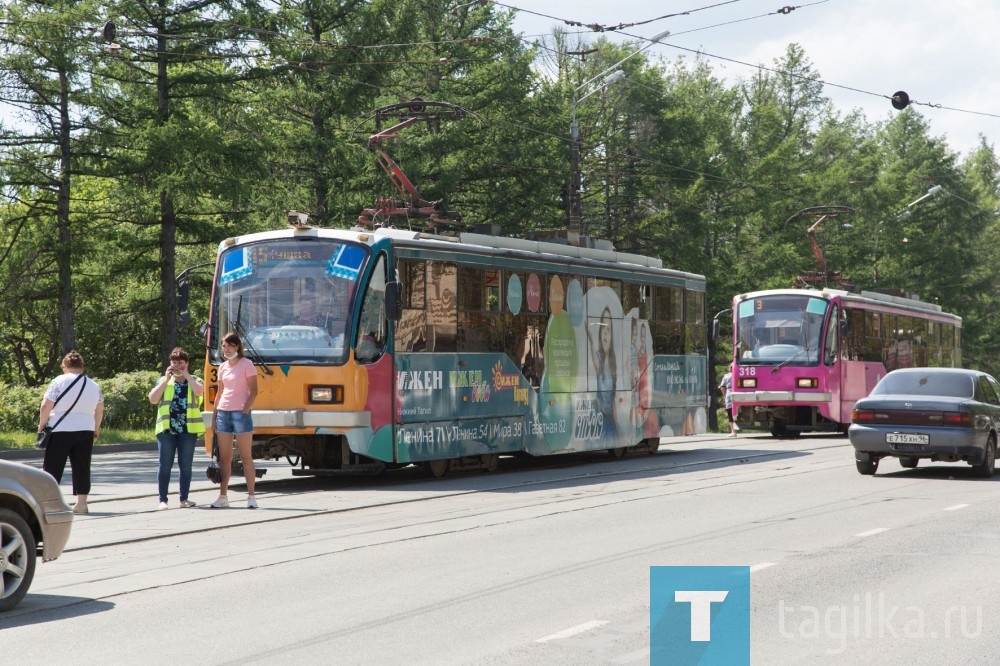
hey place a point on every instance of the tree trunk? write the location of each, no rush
(168, 220)
(64, 253)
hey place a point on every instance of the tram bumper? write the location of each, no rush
(750, 398)
(300, 418)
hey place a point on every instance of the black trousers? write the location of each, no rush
(78, 446)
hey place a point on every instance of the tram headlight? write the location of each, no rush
(327, 394)
(807, 382)
(746, 382)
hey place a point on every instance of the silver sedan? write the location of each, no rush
(34, 520)
(940, 414)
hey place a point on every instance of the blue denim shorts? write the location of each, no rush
(233, 423)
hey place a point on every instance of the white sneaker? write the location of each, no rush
(221, 503)
(162, 507)
(736, 427)
(251, 502)
(187, 504)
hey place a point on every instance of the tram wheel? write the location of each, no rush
(438, 468)
(490, 462)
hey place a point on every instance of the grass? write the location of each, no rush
(26, 440)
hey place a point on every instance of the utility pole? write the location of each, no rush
(609, 75)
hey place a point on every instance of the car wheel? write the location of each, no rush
(17, 558)
(867, 463)
(986, 468)
(908, 462)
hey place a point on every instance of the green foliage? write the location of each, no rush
(125, 403)
(125, 399)
(215, 116)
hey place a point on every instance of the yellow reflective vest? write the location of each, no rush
(194, 423)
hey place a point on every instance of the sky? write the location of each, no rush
(940, 52)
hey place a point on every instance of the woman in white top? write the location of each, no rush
(77, 420)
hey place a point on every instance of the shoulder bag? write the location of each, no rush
(42, 440)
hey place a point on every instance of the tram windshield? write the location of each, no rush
(290, 299)
(780, 329)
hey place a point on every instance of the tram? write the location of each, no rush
(381, 348)
(803, 357)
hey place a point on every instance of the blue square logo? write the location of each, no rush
(699, 615)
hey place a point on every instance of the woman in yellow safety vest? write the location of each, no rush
(178, 423)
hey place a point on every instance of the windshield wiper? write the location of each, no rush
(790, 359)
(254, 355)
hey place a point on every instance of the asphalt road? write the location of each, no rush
(543, 562)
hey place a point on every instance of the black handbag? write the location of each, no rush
(42, 440)
(214, 472)
(43, 437)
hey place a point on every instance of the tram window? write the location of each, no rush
(479, 332)
(372, 323)
(695, 338)
(948, 346)
(873, 341)
(524, 344)
(479, 289)
(668, 337)
(494, 300)
(442, 304)
(637, 297)
(411, 329)
(694, 310)
(855, 345)
(668, 304)
(614, 285)
(830, 348)
(471, 289)
(413, 276)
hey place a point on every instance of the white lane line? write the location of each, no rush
(762, 565)
(956, 507)
(573, 631)
(877, 530)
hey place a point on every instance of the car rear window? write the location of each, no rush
(930, 383)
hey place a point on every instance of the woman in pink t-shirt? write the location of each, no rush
(237, 392)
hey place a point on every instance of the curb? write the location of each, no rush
(36, 454)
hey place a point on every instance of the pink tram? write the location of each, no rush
(803, 357)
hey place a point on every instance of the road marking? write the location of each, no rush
(573, 631)
(956, 507)
(762, 565)
(877, 530)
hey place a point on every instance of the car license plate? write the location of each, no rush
(905, 438)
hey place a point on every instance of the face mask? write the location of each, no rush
(230, 357)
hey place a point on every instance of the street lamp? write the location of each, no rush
(603, 79)
(901, 215)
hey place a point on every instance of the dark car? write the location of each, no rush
(942, 414)
(34, 520)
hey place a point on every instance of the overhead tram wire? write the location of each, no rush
(594, 27)
(782, 11)
(597, 27)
